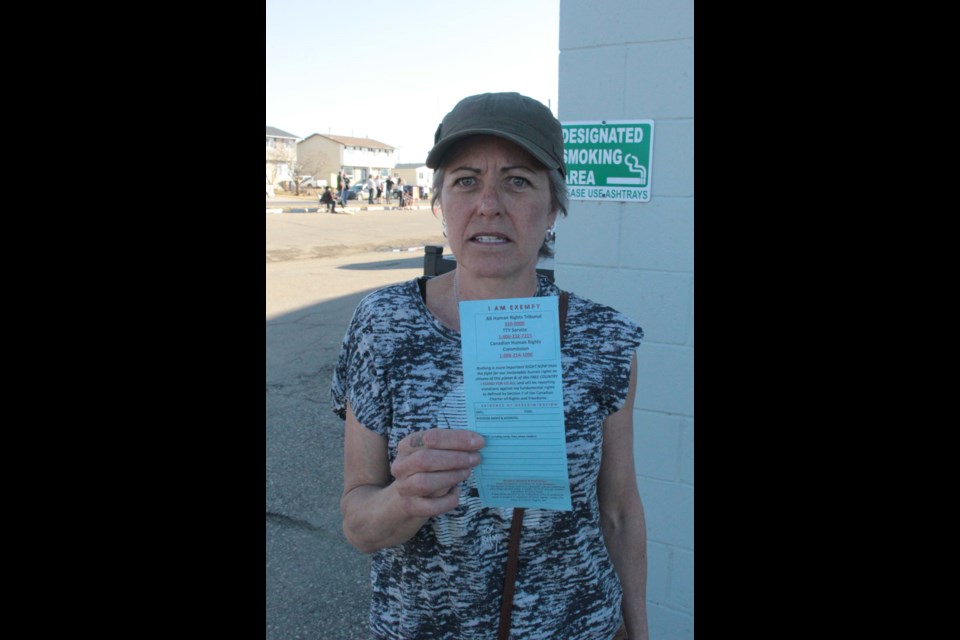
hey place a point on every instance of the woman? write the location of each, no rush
(409, 496)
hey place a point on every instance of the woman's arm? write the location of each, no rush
(621, 512)
(385, 505)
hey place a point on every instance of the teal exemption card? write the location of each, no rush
(514, 397)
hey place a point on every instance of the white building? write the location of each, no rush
(415, 173)
(638, 258)
(323, 156)
(281, 156)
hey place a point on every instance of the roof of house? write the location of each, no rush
(279, 133)
(410, 165)
(350, 141)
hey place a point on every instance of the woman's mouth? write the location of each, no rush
(484, 238)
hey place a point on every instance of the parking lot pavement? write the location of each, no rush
(318, 267)
(292, 236)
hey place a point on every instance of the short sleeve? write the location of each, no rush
(602, 342)
(621, 343)
(359, 376)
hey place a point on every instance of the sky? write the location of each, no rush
(390, 71)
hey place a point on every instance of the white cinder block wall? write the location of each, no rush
(633, 60)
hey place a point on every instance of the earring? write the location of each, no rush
(444, 220)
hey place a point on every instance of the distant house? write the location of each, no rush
(281, 156)
(324, 156)
(415, 173)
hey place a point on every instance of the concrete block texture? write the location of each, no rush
(669, 510)
(658, 301)
(634, 60)
(643, 81)
(585, 23)
(681, 586)
(671, 169)
(665, 379)
(657, 445)
(660, 84)
(669, 624)
(589, 234)
(658, 572)
(686, 451)
(658, 235)
(670, 577)
(591, 84)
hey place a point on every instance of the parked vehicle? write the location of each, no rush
(309, 181)
(408, 190)
(358, 192)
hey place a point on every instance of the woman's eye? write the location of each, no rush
(517, 181)
(466, 181)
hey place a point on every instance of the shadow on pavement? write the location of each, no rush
(389, 263)
(317, 584)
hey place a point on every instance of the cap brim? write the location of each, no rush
(440, 149)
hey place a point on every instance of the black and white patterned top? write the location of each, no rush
(401, 371)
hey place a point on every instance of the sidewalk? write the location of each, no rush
(288, 203)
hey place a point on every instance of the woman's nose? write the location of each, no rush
(490, 200)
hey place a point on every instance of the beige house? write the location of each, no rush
(323, 156)
(281, 156)
(415, 173)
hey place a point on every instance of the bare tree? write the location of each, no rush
(310, 164)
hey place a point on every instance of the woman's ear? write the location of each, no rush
(551, 220)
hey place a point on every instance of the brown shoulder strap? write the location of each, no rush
(506, 603)
(510, 579)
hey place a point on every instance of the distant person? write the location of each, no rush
(371, 189)
(328, 199)
(389, 188)
(345, 196)
(401, 193)
(379, 184)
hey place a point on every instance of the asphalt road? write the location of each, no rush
(318, 267)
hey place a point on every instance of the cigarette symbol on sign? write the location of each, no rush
(633, 164)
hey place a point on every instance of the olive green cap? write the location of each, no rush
(512, 116)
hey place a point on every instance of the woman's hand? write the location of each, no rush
(429, 466)
(385, 505)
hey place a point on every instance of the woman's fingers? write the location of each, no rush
(429, 466)
(436, 450)
(447, 439)
(431, 485)
(429, 506)
(429, 460)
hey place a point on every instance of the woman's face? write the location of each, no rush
(496, 203)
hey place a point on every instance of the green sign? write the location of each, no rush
(608, 159)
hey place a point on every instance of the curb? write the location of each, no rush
(348, 211)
